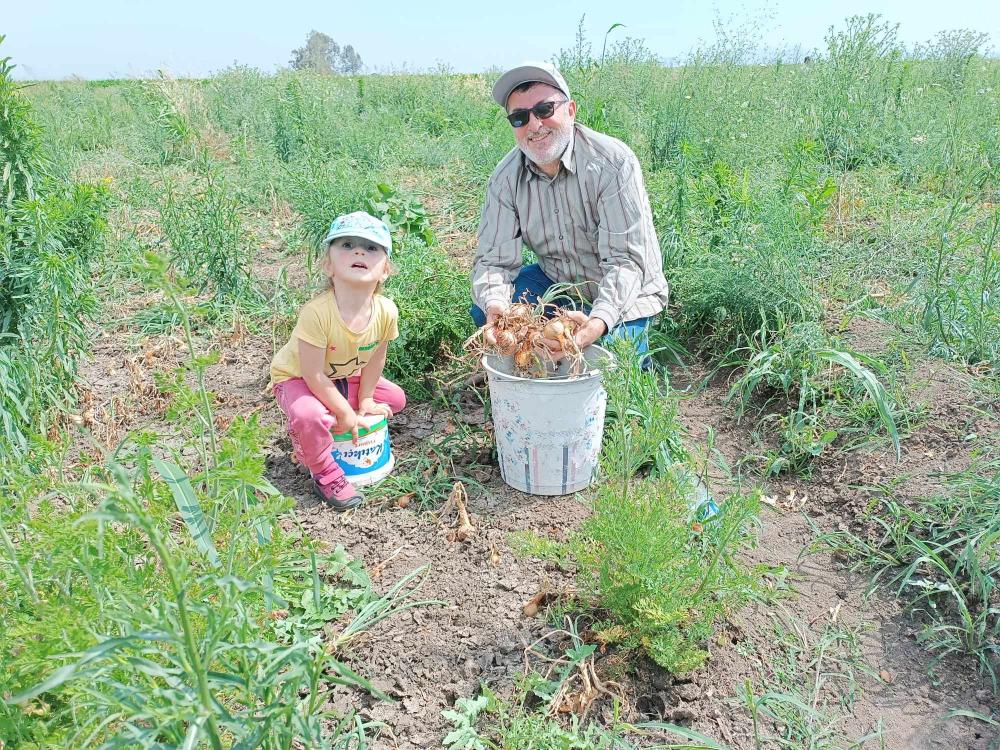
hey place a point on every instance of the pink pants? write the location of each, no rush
(309, 421)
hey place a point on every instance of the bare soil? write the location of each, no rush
(428, 657)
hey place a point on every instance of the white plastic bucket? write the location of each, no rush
(548, 431)
(371, 459)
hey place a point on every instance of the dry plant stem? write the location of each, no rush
(592, 687)
(465, 528)
(457, 499)
(377, 570)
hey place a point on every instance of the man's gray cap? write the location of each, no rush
(535, 72)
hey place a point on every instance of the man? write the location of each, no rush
(577, 199)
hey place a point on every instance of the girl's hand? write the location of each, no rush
(347, 421)
(369, 406)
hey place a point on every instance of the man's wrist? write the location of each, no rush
(607, 316)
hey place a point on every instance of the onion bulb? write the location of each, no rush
(506, 343)
(554, 329)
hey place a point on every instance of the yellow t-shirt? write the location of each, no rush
(347, 352)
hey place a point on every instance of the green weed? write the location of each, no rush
(50, 232)
(209, 241)
(940, 556)
(809, 687)
(797, 362)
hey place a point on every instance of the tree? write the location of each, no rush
(320, 54)
(350, 61)
(323, 55)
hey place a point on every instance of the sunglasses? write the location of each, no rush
(519, 117)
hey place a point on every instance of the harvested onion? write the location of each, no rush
(522, 331)
(554, 329)
(506, 343)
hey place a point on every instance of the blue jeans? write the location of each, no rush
(533, 283)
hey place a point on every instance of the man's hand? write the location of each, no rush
(589, 332)
(370, 406)
(493, 311)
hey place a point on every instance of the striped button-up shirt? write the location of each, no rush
(590, 225)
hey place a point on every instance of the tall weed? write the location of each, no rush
(50, 230)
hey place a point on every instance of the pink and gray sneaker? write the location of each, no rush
(332, 487)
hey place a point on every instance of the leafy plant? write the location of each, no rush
(961, 295)
(402, 213)
(428, 290)
(464, 736)
(662, 579)
(796, 361)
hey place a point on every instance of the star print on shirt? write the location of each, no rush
(343, 369)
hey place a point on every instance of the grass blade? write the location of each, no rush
(871, 384)
(190, 509)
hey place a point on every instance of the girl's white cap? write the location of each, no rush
(361, 224)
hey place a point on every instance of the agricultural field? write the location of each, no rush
(829, 369)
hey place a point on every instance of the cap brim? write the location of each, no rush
(359, 233)
(523, 74)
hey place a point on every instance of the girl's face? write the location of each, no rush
(355, 260)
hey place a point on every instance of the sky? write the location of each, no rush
(119, 38)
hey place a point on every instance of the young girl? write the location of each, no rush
(330, 371)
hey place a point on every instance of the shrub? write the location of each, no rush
(661, 572)
(859, 89)
(662, 579)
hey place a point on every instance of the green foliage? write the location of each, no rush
(202, 663)
(49, 232)
(323, 189)
(402, 213)
(804, 184)
(796, 361)
(662, 579)
(860, 88)
(663, 574)
(961, 289)
(433, 300)
(20, 140)
(296, 117)
(321, 54)
(209, 241)
(642, 409)
(464, 735)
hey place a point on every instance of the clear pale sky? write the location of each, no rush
(109, 38)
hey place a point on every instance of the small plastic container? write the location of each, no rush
(371, 459)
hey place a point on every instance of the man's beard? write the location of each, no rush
(551, 148)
